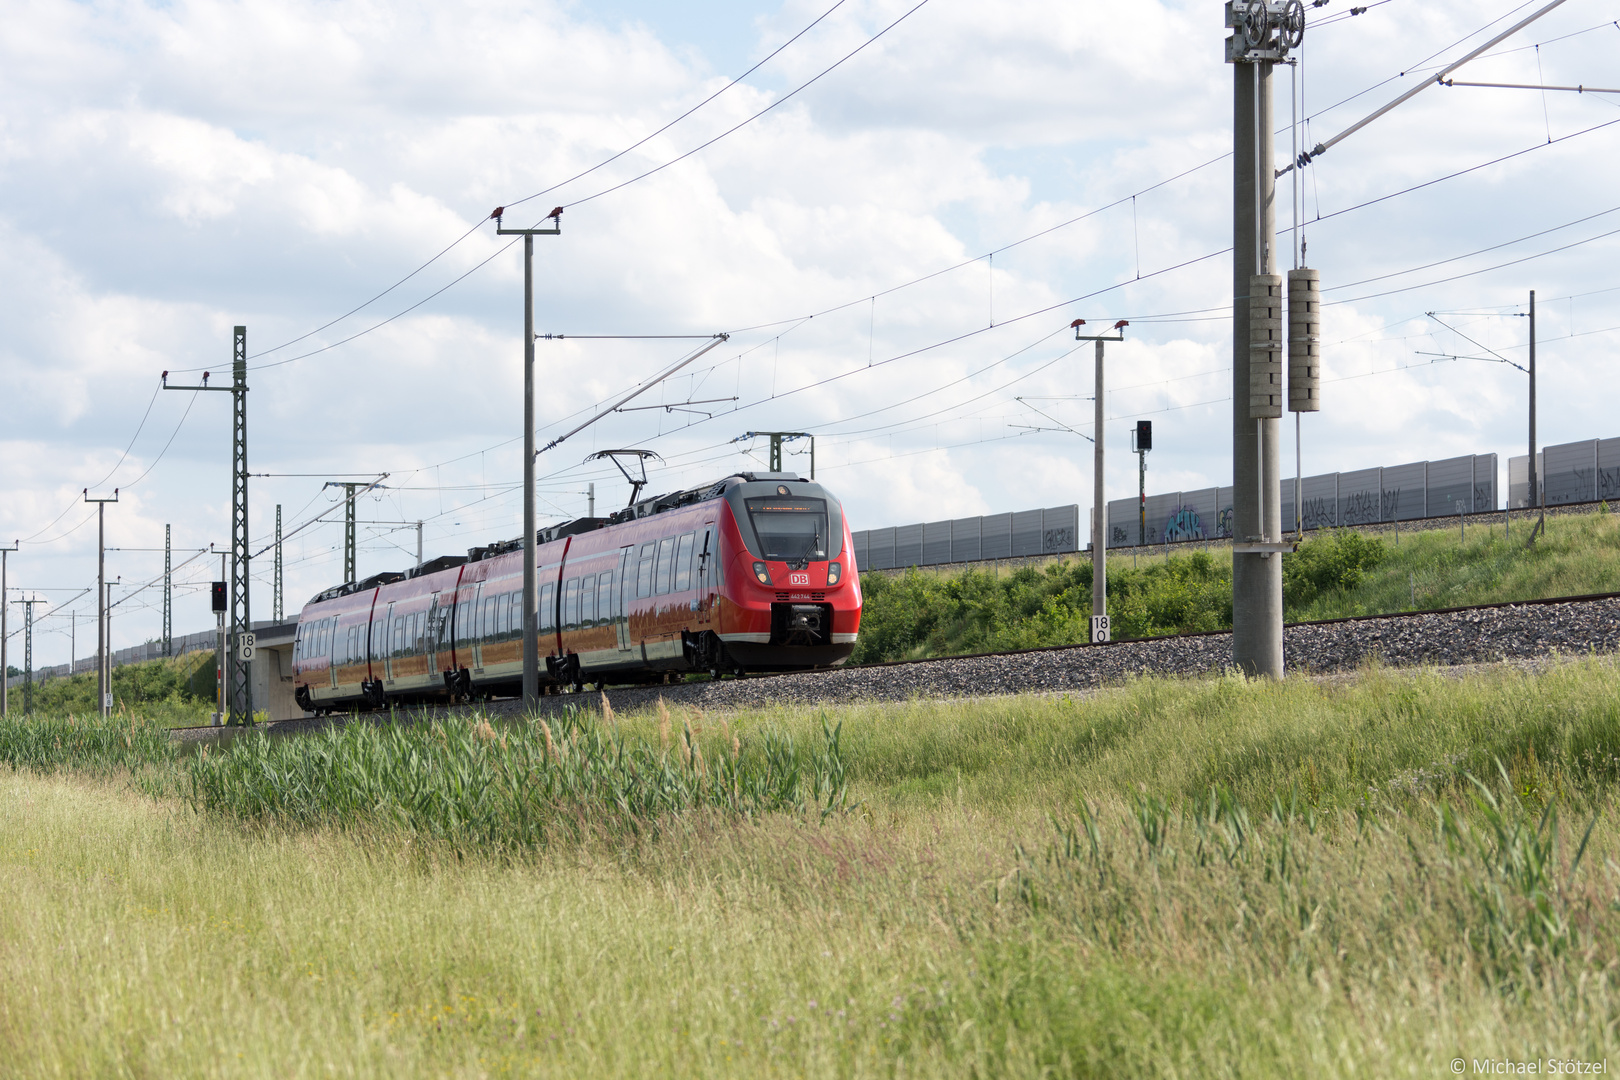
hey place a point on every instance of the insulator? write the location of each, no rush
(1265, 346)
(1304, 341)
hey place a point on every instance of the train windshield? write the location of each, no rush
(794, 530)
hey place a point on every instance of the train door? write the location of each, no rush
(332, 636)
(473, 632)
(437, 635)
(623, 590)
(388, 650)
(707, 572)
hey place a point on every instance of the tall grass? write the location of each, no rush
(1169, 878)
(466, 781)
(125, 742)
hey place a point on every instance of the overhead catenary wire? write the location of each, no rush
(1323, 147)
(648, 138)
(776, 104)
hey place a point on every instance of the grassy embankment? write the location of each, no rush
(178, 691)
(1335, 574)
(1169, 878)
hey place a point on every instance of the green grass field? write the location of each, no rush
(943, 613)
(1171, 878)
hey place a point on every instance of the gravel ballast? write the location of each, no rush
(1449, 638)
(1513, 632)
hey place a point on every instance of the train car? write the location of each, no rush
(753, 573)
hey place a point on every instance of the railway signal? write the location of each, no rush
(1141, 443)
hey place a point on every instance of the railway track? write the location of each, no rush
(1524, 630)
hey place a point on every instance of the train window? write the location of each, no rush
(791, 529)
(587, 600)
(570, 616)
(546, 618)
(503, 616)
(683, 562)
(644, 571)
(605, 608)
(666, 564)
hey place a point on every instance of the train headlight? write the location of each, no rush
(834, 571)
(762, 573)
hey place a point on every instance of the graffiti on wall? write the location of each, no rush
(1361, 508)
(1183, 524)
(1576, 483)
(1608, 483)
(1059, 539)
(1315, 513)
(1223, 522)
(1392, 502)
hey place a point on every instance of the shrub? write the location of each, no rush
(1334, 561)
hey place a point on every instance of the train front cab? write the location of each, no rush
(791, 592)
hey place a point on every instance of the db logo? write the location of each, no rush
(799, 579)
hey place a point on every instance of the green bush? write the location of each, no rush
(1333, 561)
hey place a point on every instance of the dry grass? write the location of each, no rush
(1141, 883)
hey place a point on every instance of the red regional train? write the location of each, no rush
(753, 573)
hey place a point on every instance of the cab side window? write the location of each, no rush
(644, 570)
(666, 564)
(683, 562)
(570, 612)
(547, 618)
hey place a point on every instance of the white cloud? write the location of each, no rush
(167, 172)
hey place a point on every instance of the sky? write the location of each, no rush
(895, 252)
